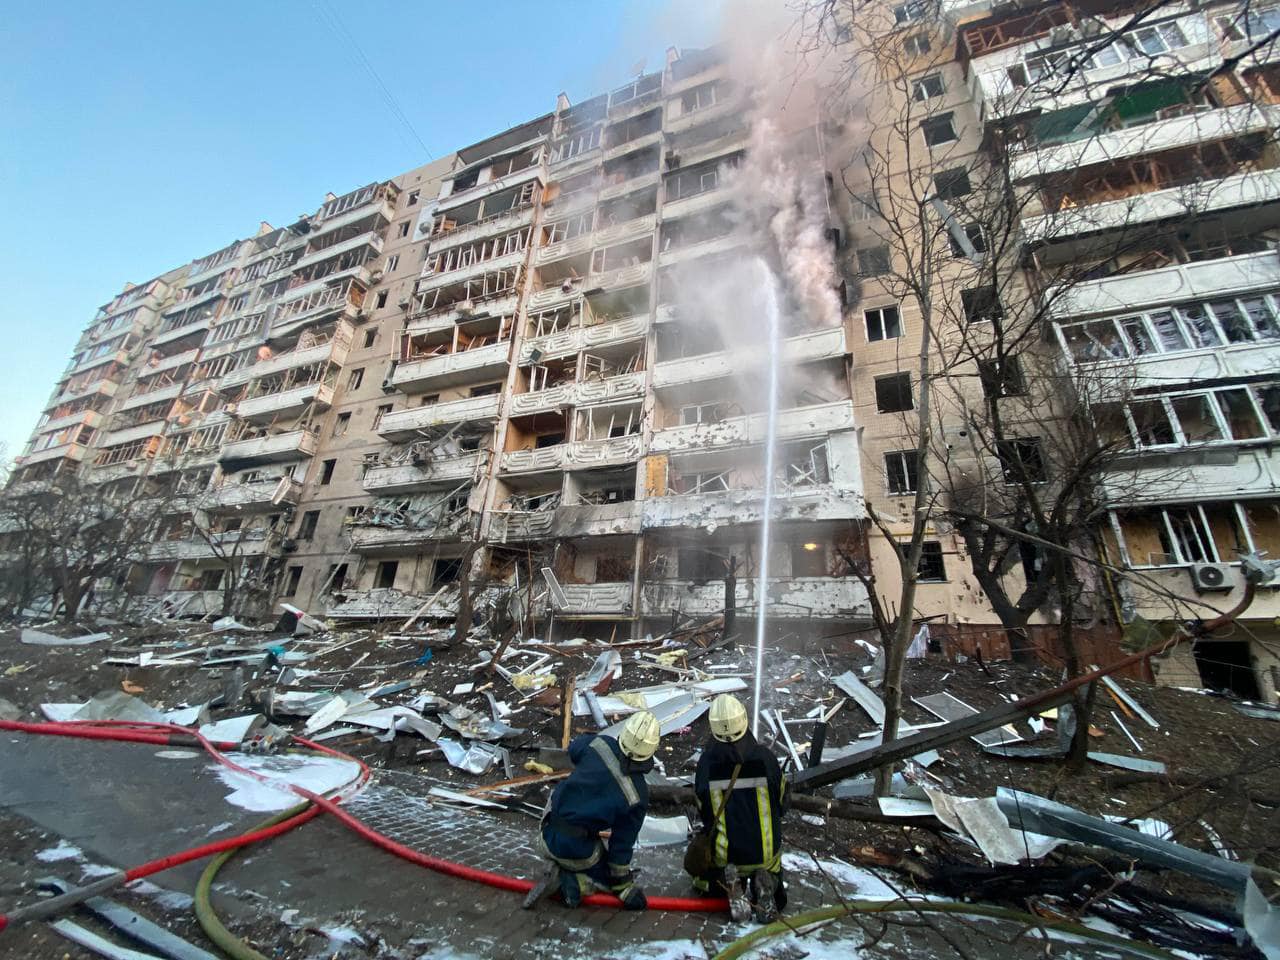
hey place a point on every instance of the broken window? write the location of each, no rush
(1150, 424)
(385, 576)
(307, 528)
(883, 323)
(447, 570)
(981, 305)
(355, 378)
(893, 393)
(931, 568)
(808, 559)
(1197, 417)
(916, 45)
(702, 413)
(911, 11)
(291, 581)
(699, 564)
(952, 184)
(976, 236)
(926, 88)
(341, 424)
(901, 471)
(939, 130)
(706, 482)
(1021, 460)
(874, 261)
(1001, 377)
(700, 97)
(326, 471)
(379, 412)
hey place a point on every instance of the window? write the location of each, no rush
(883, 323)
(381, 412)
(977, 239)
(808, 559)
(938, 130)
(873, 261)
(342, 424)
(446, 571)
(1001, 377)
(931, 568)
(863, 208)
(403, 230)
(337, 577)
(981, 305)
(385, 578)
(1253, 24)
(926, 88)
(371, 336)
(381, 301)
(698, 564)
(307, 528)
(910, 11)
(1021, 460)
(412, 199)
(291, 581)
(901, 471)
(952, 184)
(893, 393)
(1158, 39)
(326, 471)
(917, 45)
(486, 390)
(355, 378)
(393, 261)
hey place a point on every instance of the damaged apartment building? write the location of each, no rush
(503, 368)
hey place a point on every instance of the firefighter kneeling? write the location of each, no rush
(742, 794)
(606, 791)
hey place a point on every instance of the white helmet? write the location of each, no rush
(639, 736)
(728, 718)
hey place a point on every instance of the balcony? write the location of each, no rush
(800, 423)
(1230, 276)
(692, 206)
(1160, 135)
(431, 472)
(334, 350)
(119, 356)
(431, 281)
(620, 277)
(1196, 475)
(597, 519)
(261, 497)
(600, 237)
(378, 203)
(733, 507)
(409, 424)
(570, 341)
(286, 403)
(1198, 200)
(631, 146)
(806, 348)
(435, 322)
(200, 325)
(143, 431)
(373, 539)
(165, 364)
(583, 393)
(317, 302)
(630, 185)
(537, 171)
(585, 601)
(102, 388)
(789, 597)
(390, 604)
(519, 526)
(232, 543)
(575, 456)
(505, 222)
(563, 205)
(170, 392)
(372, 238)
(710, 149)
(89, 418)
(718, 111)
(706, 248)
(277, 448)
(63, 451)
(415, 376)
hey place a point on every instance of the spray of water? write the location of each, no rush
(769, 296)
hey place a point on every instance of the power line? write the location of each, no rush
(335, 23)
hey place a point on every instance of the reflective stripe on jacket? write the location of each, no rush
(748, 831)
(605, 792)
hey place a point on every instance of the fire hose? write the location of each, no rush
(162, 734)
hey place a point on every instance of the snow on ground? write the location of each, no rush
(63, 851)
(858, 882)
(317, 774)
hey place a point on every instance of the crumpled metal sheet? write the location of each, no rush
(476, 726)
(476, 758)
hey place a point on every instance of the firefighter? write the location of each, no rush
(742, 795)
(606, 791)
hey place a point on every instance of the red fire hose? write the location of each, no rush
(169, 735)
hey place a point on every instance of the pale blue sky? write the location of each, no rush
(136, 136)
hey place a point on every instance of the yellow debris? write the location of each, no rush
(632, 699)
(527, 681)
(669, 658)
(533, 766)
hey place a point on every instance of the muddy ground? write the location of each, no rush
(1224, 767)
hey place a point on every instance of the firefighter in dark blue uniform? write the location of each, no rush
(742, 795)
(606, 791)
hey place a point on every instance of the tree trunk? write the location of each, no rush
(72, 597)
(462, 623)
(892, 696)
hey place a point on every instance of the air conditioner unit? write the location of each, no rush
(566, 287)
(535, 355)
(375, 277)
(466, 307)
(289, 545)
(1062, 34)
(1211, 577)
(404, 303)
(388, 386)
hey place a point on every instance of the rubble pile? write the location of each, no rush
(1167, 834)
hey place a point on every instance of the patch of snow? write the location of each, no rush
(665, 950)
(317, 774)
(91, 871)
(345, 935)
(862, 883)
(219, 827)
(177, 754)
(63, 851)
(164, 898)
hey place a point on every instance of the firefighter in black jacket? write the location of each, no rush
(742, 795)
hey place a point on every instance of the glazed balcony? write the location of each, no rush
(409, 423)
(169, 392)
(535, 172)
(692, 206)
(391, 604)
(120, 357)
(582, 393)
(631, 146)
(704, 248)
(378, 201)
(277, 448)
(799, 423)
(732, 507)
(1211, 474)
(789, 597)
(200, 325)
(578, 338)
(629, 185)
(498, 223)
(88, 418)
(263, 496)
(579, 455)
(102, 388)
(286, 403)
(416, 376)
(143, 431)
(372, 239)
(730, 143)
(1198, 200)
(436, 321)
(334, 350)
(319, 299)
(74, 452)
(730, 106)
(806, 348)
(411, 477)
(585, 601)
(237, 543)
(600, 237)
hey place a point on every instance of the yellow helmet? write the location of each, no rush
(639, 736)
(728, 718)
